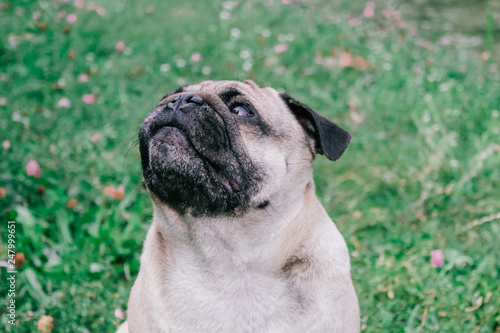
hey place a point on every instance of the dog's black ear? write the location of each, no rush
(330, 139)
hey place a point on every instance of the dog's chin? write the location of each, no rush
(182, 179)
(173, 137)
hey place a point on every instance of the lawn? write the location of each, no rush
(421, 174)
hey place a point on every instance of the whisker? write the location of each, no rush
(277, 212)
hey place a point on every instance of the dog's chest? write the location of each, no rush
(227, 299)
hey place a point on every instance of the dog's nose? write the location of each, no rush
(185, 100)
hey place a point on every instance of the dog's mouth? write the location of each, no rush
(180, 140)
(189, 162)
(171, 135)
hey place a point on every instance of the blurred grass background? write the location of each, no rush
(420, 97)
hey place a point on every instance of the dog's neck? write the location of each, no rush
(256, 239)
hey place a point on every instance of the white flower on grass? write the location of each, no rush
(445, 86)
(61, 83)
(164, 67)
(245, 54)
(206, 70)
(229, 5)
(180, 63)
(247, 66)
(235, 32)
(225, 15)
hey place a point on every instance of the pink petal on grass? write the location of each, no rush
(113, 192)
(33, 169)
(79, 4)
(425, 44)
(45, 324)
(71, 18)
(445, 41)
(64, 102)
(119, 313)
(6, 144)
(94, 138)
(354, 22)
(3, 101)
(120, 46)
(369, 9)
(280, 48)
(98, 9)
(437, 258)
(83, 78)
(59, 16)
(88, 99)
(346, 60)
(195, 57)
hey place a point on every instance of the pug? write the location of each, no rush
(239, 241)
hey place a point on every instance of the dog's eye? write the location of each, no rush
(242, 111)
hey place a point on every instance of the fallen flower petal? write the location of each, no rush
(98, 9)
(83, 77)
(71, 203)
(33, 169)
(195, 57)
(120, 46)
(19, 259)
(280, 48)
(361, 63)
(346, 60)
(94, 138)
(445, 41)
(437, 258)
(113, 192)
(79, 4)
(369, 9)
(46, 324)
(88, 99)
(64, 102)
(354, 22)
(6, 144)
(71, 18)
(425, 44)
(119, 313)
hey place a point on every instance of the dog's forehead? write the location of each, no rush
(247, 88)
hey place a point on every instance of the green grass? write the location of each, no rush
(423, 163)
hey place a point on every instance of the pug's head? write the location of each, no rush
(226, 147)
